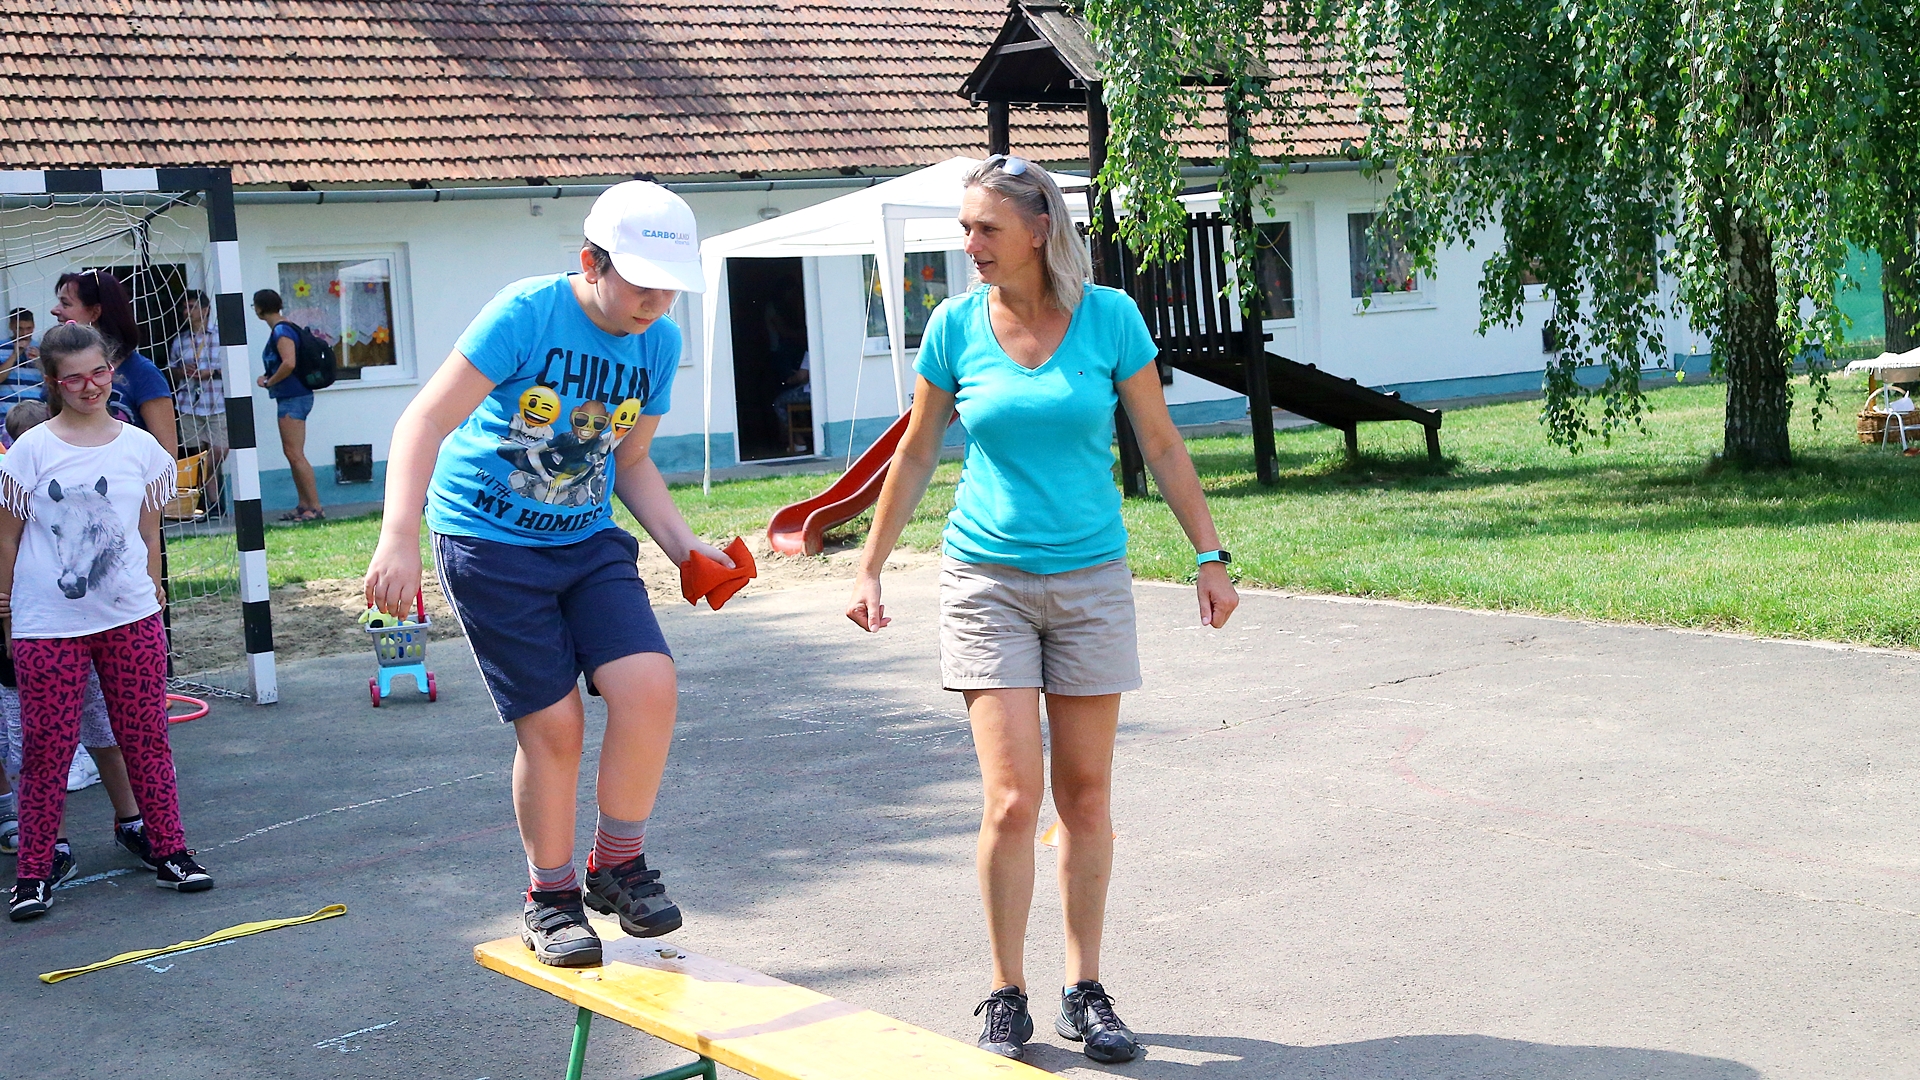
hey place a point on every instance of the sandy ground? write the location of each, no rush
(320, 618)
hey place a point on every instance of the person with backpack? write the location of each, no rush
(292, 399)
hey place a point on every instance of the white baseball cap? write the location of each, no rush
(650, 233)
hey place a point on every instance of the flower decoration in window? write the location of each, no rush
(381, 335)
(926, 272)
(302, 289)
(333, 287)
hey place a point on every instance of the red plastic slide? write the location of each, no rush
(800, 529)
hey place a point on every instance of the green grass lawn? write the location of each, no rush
(1642, 530)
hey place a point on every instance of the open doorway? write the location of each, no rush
(772, 378)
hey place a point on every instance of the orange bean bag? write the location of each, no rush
(703, 577)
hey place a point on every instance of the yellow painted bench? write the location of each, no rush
(740, 1018)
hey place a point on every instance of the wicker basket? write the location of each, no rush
(1871, 425)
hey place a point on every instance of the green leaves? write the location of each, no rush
(1645, 159)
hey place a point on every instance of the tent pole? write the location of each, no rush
(1106, 271)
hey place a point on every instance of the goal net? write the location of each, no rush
(159, 245)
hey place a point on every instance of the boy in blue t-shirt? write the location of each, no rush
(548, 404)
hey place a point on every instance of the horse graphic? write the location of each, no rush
(88, 540)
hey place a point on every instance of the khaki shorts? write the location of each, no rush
(1070, 633)
(203, 432)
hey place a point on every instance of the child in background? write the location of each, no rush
(83, 474)
(96, 735)
(543, 581)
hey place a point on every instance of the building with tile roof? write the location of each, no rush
(477, 91)
(430, 153)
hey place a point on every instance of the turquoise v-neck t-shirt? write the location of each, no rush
(1036, 489)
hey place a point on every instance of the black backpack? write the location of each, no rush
(314, 363)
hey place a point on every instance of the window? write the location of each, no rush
(1276, 268)
(926, 286)
(1379, 263)
(348, 303)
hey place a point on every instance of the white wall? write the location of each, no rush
(453, 257)
(456, 255)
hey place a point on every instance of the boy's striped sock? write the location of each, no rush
(562, 878)
(616, 841)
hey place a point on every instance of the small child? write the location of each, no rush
(543, 581)
(80, 502)
(96, 735)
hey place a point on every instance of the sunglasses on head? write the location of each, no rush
(1007, 163)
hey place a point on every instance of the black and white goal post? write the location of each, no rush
(166, 233)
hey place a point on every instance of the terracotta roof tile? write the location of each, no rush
(291, 90)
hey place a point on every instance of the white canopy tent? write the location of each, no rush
(915, 212)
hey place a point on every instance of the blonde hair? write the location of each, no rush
(1064, 263)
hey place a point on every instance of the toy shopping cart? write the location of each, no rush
(401, 650)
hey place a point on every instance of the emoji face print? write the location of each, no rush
(539, 406)
(624, 417)
(589, 419)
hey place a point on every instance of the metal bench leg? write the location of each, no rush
(703, 1068)
(578, 1059)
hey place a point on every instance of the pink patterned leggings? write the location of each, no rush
(132, 662)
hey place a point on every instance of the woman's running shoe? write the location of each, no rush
(634, 893)
(1008, 1025)
(555, 927)
(1086, 1015)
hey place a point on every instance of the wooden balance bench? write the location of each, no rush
(740, 1018)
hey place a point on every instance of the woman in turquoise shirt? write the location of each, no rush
(1035, 595)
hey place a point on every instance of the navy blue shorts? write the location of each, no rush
(538, 618)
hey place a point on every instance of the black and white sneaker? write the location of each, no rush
(31, 899)
(1008, 1025)
(132, 838)
(555, 927)
(64, 868)
(1086, 1015)
(634, 893)
(181, 874)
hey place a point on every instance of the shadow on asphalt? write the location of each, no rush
(1413, 1057)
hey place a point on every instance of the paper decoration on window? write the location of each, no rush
(333, 287)
(381, 336)
(302, 289)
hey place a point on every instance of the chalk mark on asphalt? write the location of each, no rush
(91, 878)
(339, 1041)
(265, 829)
(150, 966)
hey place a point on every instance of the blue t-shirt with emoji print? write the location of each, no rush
(534, 465)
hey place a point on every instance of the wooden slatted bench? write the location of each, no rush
(740, 1018)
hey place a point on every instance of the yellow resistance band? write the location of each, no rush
(231, 932)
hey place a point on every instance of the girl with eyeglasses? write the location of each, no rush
(1036, 600)
(80, 502)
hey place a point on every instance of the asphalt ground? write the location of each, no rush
(1356, 840)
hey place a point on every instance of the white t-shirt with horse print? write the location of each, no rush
(83, 565)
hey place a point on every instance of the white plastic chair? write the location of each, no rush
(1897, 408)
